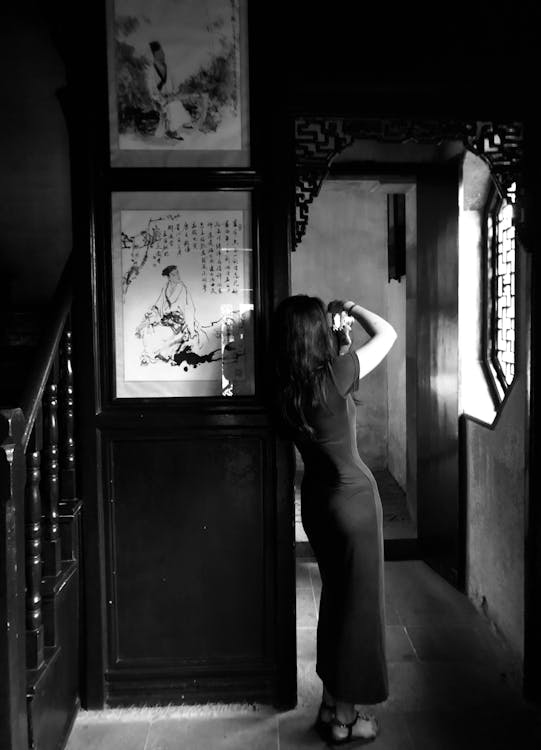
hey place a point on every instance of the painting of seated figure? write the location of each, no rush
(178, 86)
(183, 297)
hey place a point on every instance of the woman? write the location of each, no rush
(341, 508)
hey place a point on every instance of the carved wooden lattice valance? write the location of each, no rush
(318, 140)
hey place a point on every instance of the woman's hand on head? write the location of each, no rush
(335, 307)
(341, 322)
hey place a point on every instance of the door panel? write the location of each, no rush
(190, 578)
(437, 363)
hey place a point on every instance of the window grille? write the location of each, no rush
(502, 313)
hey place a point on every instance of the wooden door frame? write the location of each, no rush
(272, 144)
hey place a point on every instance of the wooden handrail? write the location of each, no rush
(47, 349)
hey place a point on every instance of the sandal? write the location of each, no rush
(323, 724)
(364, 728)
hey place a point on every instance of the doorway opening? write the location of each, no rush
(447, 180)
(356, 246)
(347, 253)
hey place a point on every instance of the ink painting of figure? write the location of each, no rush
(183, 298)
(178, 82)
(169, 325)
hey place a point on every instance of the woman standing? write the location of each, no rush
(341, 507)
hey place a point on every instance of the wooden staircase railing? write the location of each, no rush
(39, 534)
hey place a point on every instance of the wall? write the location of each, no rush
(401, 362)
(35, 190)
(474, 395)
(496, 456)
(495, 518)
(411, 351)
(396, 382)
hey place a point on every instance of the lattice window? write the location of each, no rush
(501, 291)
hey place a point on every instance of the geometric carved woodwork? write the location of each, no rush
(307, 187)
(500, 145)
(316, 143)
(319, 139)
(501, 293)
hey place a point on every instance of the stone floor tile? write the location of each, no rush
(255, 732)
(306, 609)
(452, 643)
(308, 685)
(399, 646)
(296, 730)
(391, 615)
(451, 686)
(473, 731)
(421, 597)
(302, 577)
(315, 575)
(393, 734)
(106, 735)
(306, 644)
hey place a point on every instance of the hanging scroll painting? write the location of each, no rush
(182, 294)
(178, 83)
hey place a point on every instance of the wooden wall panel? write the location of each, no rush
(189, 530)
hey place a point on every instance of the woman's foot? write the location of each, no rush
(362, 727)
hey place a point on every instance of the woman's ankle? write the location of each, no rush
(345, 712)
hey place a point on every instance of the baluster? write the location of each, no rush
(67, 453)
(34, 620)
(50, 483)
(69, 507)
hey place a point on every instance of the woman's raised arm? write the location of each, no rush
(382, 334)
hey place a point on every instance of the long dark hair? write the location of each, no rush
(304, 349)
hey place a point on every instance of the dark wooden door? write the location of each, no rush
(437, 363)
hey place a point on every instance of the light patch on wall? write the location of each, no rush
(475, 398)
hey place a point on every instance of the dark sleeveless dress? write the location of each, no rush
(342, 517)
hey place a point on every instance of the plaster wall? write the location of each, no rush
(396, 383)
(496, 449)
(35, 188)
(344, 256)
(475, 398)
(401, 312)
(411, 351)
(496, 464)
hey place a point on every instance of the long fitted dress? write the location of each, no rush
(342, 517)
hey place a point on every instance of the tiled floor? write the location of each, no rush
(450, 686)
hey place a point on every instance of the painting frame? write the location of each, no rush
(209, 334)
(192, 112)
